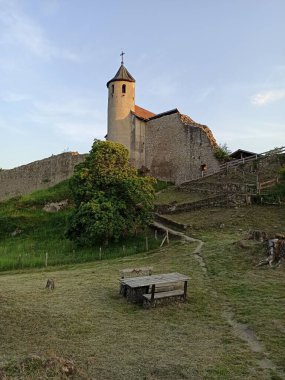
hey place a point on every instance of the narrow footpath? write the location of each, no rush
(242, 331)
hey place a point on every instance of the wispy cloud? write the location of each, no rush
(12, 97)
(205, 93)
(19, 29)
(266, 97)
(76, 119)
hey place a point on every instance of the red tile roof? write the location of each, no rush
(143, 113)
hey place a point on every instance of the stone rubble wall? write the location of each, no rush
(175, 151)
(38, 175)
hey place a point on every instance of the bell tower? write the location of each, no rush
(121, 101)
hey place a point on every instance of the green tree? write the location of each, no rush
(222, 152)
(111, 199)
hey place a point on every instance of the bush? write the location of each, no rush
(111, 199)
(222, 152)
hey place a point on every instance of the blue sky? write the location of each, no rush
(222, 62)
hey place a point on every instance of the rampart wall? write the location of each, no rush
(38, 175)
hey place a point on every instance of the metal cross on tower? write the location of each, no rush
(122, 55)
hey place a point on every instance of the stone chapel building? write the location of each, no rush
(170, 145)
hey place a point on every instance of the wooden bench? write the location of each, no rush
(165, 292)
(133, 272)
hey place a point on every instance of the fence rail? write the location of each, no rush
(267, 184)
(263, 155)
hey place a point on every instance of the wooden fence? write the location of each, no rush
(266, 185)
(259, 156)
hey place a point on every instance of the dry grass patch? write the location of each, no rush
(85, 321)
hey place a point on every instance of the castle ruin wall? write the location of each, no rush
(177, 152)
(38, 175)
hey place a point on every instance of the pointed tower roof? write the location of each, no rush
(122, 74)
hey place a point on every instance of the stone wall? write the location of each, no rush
(38, 175)
(175, 151)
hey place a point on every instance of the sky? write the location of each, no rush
(221, 62)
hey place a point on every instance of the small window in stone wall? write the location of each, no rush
(203, 169)
(123, 88)
(113, 89)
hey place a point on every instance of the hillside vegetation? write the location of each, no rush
(231, 326)
(29, 235)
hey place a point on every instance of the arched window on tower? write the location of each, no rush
(113, 89)
(123, 88)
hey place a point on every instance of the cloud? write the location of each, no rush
(19, 29)
(265, 97)
(205, 93)
(11, 97)
(80, 132)
(77, 119)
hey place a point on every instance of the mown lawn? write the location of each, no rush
(86, 321)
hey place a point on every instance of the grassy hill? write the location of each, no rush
(28, 234)
(231, 326)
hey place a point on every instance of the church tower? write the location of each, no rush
(121, 101)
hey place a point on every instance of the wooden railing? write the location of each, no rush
(234, 163)
(266, 185)
(259, 156)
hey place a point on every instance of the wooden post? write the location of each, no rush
(155, 234)
(185, 290)
(146, 243)
(152, 293)
(163, 240)
(46, 262)
(124, 249)
(100, 254)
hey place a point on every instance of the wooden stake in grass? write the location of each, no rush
(46, 261)
(100, 254)
(163, 240)
(146, 243)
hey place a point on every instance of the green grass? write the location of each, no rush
(85, 321)
(255, 295)
(173, 194)
(41, 234)
(161, 185)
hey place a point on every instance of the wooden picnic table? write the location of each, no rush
(139, 288)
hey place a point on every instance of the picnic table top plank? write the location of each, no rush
(137, 282)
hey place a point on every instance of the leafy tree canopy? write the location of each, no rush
(222, 152)
(111, 199)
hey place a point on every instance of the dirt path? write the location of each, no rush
(242, 331)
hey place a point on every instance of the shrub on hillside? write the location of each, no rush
(111, 199)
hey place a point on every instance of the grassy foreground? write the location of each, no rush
(231, 327)
(85, 321)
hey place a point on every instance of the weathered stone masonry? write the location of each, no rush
(176, 148)
(38, 175)
(172, 146)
